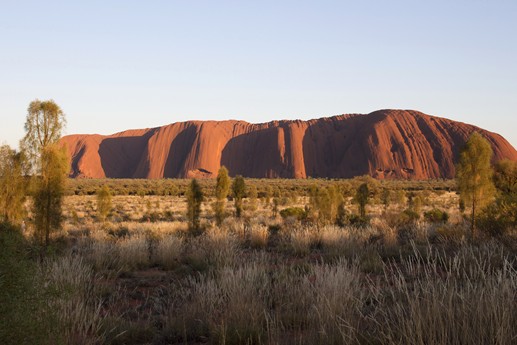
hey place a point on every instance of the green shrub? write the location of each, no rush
(436, 216)
(498, 218)
(408, 216)
(295, 212)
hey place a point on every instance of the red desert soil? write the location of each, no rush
(383, 144)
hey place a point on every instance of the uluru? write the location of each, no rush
(383, 144)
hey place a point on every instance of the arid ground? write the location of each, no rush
(403, 276)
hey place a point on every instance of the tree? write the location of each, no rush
(195, 198)
(505, 177)
(49, 191)
(12, 185)
(253, 195)
(43, 126)
(501, 215)
(386, 198)
(361, 197)
(103, 203)
(325, 203)
(342, 215)
(222, 187)
(239, 191)
(474, 176)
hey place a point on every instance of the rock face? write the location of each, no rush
(383, 144)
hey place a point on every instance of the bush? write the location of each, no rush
(295, 212)
(408, 216)
(436, 216)
(359, 220)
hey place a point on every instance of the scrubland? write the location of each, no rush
(143, 277)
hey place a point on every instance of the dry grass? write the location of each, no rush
(258, 236)
(168, 251)
(261, 280)
(444, 300)
(77, 309)
(133, 252)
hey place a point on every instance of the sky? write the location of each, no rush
(117, 65)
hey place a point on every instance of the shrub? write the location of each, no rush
(103, 203)
(436, 216)
(498, 218)
(408, 216)
(194, 199)
(295, 212)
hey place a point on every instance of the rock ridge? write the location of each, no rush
(384, 144)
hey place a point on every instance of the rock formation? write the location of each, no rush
(384, 144)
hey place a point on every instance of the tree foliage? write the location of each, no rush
(222, 188)
(362, 195)
(43, 126)
(324, 204)
(501, 215)
(386, 196)
(505, 177)
(12, 185)
(49, 191)
(239, 191)
(195, 198)
(474, 175)
(104, 205)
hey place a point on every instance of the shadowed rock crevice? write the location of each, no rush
(179, 150)
(254, 154)
(121, 156)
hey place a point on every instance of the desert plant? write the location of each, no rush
(386, 196)
(168, 251)
(133, 252)
(49, 191)
(252, 196)
(194, 199)
(501, 216)
(12, 185)
(239, 191)
(78, 311)
(104, 205)
(467, 305)
(259, 236)
(324, 203)
(222, 188)
(361, 197)
(474, 175)
(294, 212)
(436, 216)
(43, 126)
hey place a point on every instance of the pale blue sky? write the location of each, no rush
(115, 65)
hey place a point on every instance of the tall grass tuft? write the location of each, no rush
(71, 282)
(464, 299)
(168, 251)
